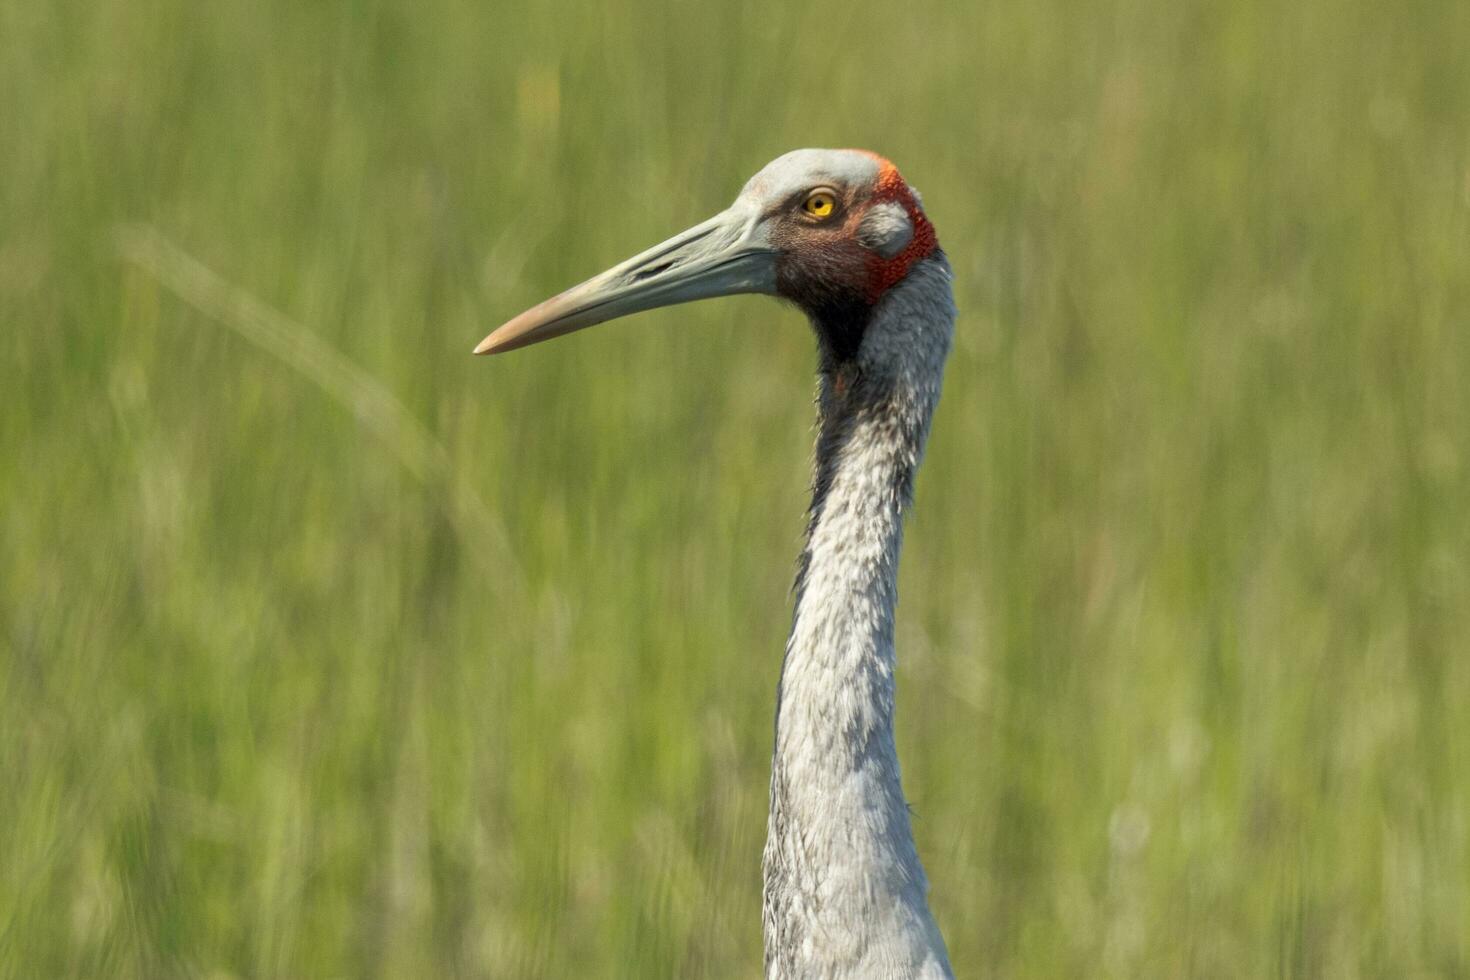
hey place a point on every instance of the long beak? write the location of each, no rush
(726, 254)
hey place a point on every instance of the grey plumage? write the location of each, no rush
(845, 894)
(841, 235)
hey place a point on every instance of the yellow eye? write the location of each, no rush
(819, 204)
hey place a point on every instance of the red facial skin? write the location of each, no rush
(883, 273)
(823, 266)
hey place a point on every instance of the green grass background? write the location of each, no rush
(1186, 595)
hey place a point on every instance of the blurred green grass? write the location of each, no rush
(1185, 598)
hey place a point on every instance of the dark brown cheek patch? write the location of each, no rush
(883, 273)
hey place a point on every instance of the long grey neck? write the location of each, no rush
(845, 894)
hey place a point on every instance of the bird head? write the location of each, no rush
(829, 230)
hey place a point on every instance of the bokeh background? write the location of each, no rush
(331, 651)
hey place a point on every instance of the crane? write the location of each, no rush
(842, 235)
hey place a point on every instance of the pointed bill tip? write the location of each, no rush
(496, 344)
(552, 318)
